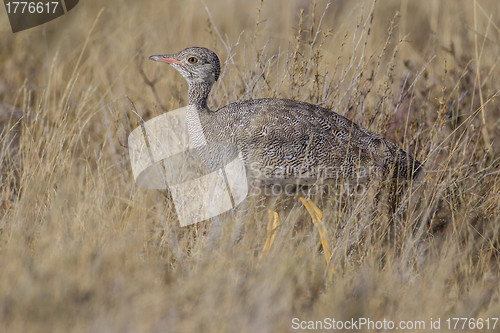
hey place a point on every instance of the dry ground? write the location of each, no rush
(84, 249)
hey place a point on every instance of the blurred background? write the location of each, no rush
(83, 249)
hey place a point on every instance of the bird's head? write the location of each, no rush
(196, 64)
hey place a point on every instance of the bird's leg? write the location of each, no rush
(317, 216)
(272, 230)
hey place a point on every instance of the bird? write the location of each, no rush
(283, 141)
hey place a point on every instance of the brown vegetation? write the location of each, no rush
(82, 248)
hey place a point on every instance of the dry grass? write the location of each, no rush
(83, 249)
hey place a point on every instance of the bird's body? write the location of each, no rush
(284, 141)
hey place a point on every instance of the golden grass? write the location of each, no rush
(83, 249)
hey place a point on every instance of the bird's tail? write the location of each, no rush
(406, 166)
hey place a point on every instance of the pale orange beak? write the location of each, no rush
(166, 58)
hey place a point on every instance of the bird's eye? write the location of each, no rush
(192, 60)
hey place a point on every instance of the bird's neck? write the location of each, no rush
(198, 94)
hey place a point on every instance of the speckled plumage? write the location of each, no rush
(284, 141)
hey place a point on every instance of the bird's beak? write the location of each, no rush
(166, 58)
